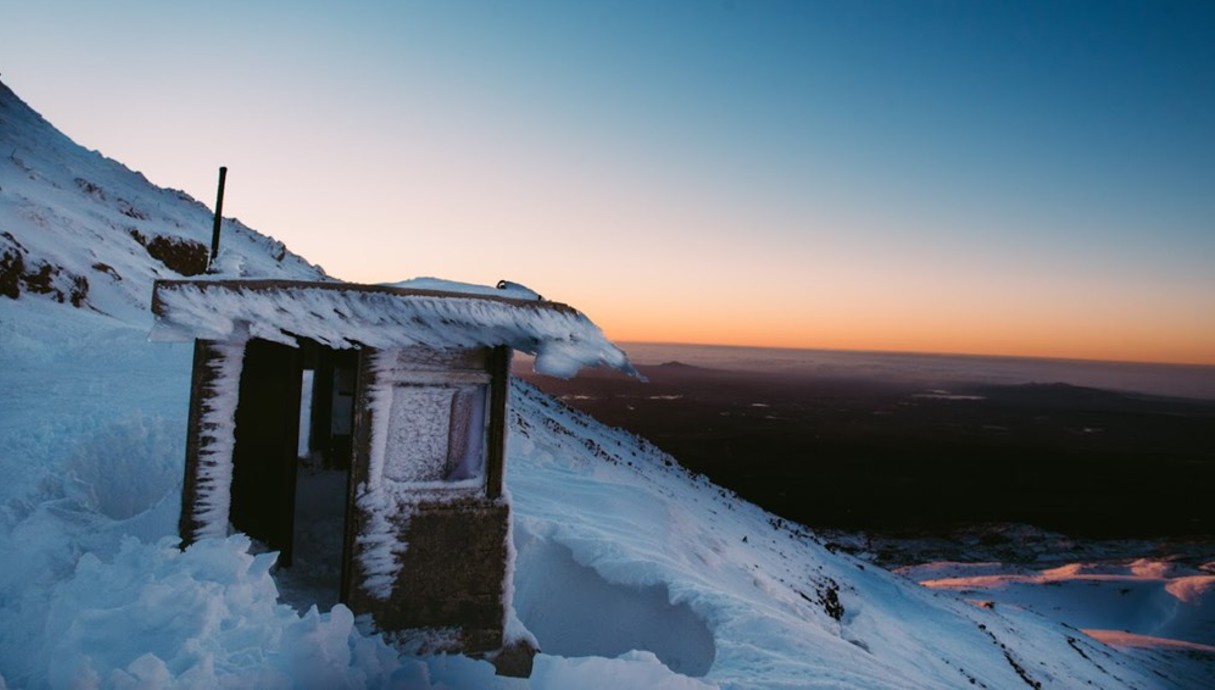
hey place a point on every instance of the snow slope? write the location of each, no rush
(629, 572)
(1149, 603)
(75, 219)
(609, 512)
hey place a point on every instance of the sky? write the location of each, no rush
(1014, 178)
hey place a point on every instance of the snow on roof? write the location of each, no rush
(350, 315)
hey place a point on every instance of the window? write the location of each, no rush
(436, 432)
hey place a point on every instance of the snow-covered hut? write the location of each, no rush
(397, 395)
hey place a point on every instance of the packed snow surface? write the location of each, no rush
(629, 573)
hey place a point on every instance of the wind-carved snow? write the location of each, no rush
(206, 617)
(563, 603)
(122, 470)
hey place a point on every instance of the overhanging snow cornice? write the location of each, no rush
(351, 315)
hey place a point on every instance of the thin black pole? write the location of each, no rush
(219, 209)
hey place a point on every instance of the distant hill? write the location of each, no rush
(1067, 396)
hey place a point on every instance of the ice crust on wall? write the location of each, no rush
(406, 462)
(380, 541)
(214, 487)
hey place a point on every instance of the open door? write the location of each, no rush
(264, 454)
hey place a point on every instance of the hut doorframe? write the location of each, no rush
(265, 384)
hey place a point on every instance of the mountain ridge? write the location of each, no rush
(79, 228)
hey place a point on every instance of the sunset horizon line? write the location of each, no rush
(925, 353)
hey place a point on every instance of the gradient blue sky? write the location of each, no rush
(1030, 178)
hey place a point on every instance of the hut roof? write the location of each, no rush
(349, 315)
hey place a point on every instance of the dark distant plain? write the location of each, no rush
(888, 452)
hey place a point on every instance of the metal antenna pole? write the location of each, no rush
(219, 209)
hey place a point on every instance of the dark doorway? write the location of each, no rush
(264, 455)
(322, 500)
(290, 490)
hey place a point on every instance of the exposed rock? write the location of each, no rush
(183, 256)
(21, 273)
(515, 659)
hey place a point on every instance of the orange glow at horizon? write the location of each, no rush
(1001, 315)
(850, 303)
(996, 211)
(1087, 339)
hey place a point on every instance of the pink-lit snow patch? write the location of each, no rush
(1122, 638)
(1192, 589)
(1160, 600)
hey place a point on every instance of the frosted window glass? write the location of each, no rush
(418, 430)
(436, 433)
